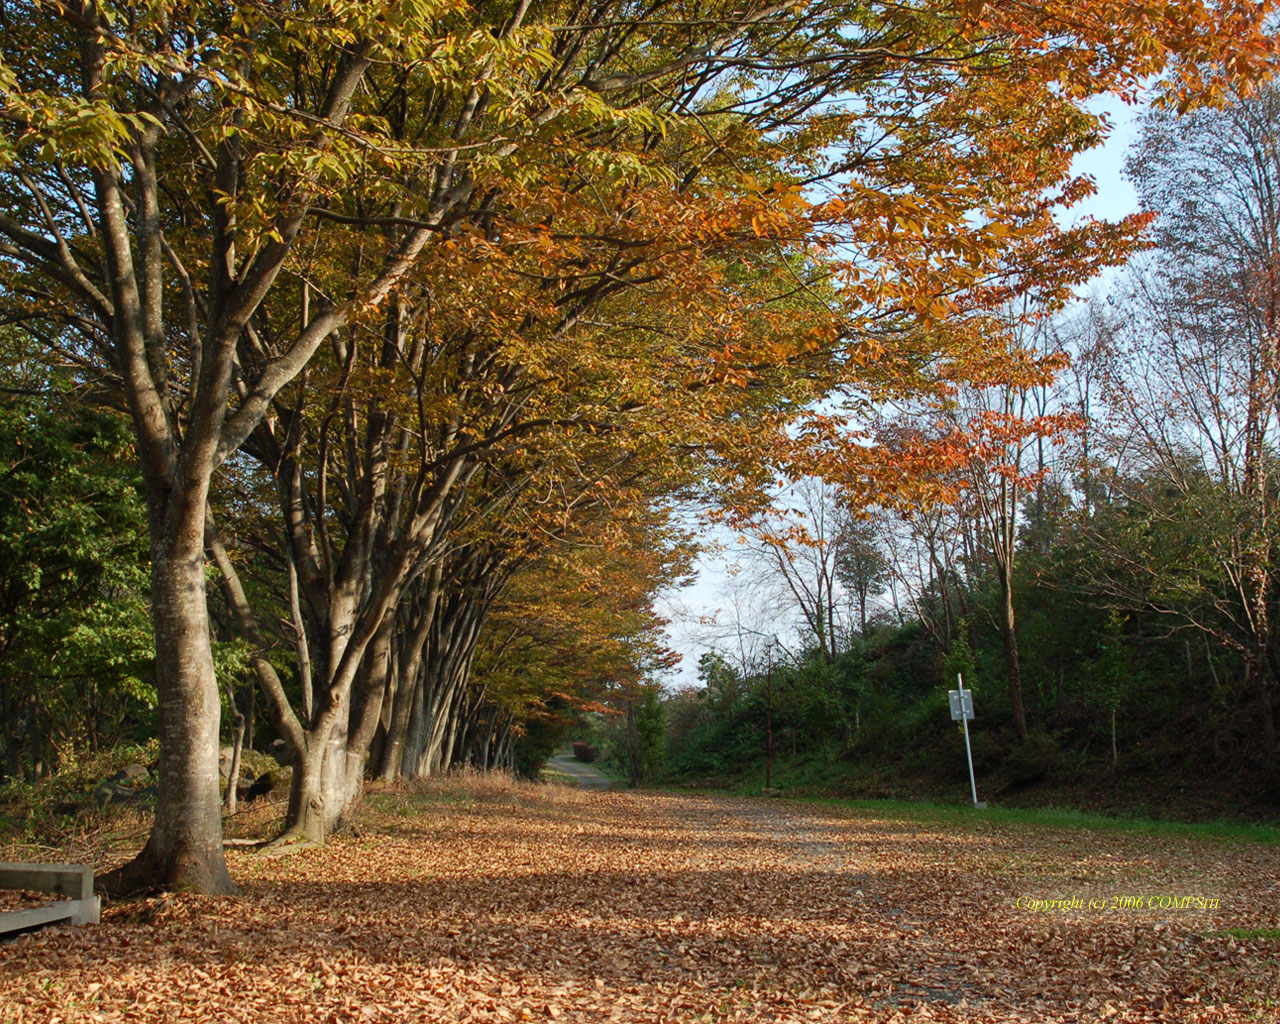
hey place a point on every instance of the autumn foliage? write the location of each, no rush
(406, 300)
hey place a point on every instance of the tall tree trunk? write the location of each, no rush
(1012, 665)
(304, 817)
(330, 776)
(300, 643)
(442, 720)
(391, 760)
(233, 769)
(451, 749)
(392, 763)
(13, 762)
(250, 706)
(411, 766)
(408, 689)
(344, 777)
(317, 795)
(325, 784)
(1261, 678)
(184, 851)
(35, 732)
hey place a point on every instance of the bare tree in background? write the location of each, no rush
(795, 548)
(862, 567)
(1196, 370)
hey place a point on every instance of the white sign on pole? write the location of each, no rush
(961, 704)
(962, 711)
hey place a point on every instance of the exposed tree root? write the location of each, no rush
(291, 842)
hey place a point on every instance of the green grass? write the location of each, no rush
(1057, 817)
(964, 816)
(550, 774)
(833, 782)
(612, 771)
(1246, 934)
(393, 804)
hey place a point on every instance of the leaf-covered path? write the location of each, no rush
(523, 903)
(583, 775)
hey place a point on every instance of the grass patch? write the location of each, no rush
(1246, 934)
(395, 803)
(614, 771)
(1067, 818)
(555, 775)
(928, 812)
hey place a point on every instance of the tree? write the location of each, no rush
(861, 566)
(75, 644)
(997, 434)
(160, 173)
(1195, 375)
(572, 623)
(930, 549)
(198, 198)
(1110, 674)
(722, 685)
(175, 186)
(797, 547)
(646, 726)
(960, 660)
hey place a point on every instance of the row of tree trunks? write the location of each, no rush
(442, 686)
(406, 717)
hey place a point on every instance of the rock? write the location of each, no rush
(279, 750)
(245, 781)
(105, 793)
(131, 773)
(148, 792)
(262, 786)
(224, 761)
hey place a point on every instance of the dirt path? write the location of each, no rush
(508, 903)
(583, 774)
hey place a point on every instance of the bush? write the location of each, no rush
(1033, 760)
(584, 751)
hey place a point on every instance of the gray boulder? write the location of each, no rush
(132, 774)
(105, 793)
(264, 785)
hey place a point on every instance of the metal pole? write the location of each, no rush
(964, 720)
(768, 743)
